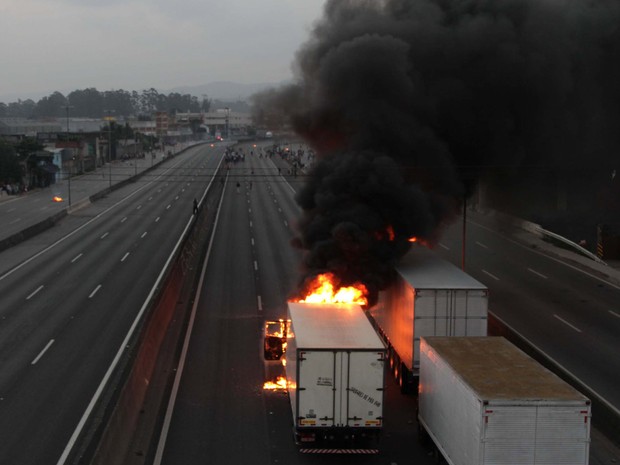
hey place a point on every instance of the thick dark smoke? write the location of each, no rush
(410, 103)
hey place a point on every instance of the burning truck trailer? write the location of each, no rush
(429, 297)
(335, 376)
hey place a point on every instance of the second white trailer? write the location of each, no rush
(430, 297)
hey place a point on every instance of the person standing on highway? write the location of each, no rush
(195, 206)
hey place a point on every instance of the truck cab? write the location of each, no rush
(274, 343)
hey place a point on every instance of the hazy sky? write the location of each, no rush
(48, 45)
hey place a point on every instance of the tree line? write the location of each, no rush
(91, 103)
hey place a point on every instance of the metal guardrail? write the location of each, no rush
(570, 243)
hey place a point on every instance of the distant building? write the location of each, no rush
(27, 127)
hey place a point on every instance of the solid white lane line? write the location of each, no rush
(491, 275)
(125, 256)
(444, 246)
(567, 323)
(104, 235)
(92, 294)
(481, 245)
(34, 292)
(143, 234)
(617, 315)
(38, 357)
(76, 258)
(124, 219)
(260, 303)
(537, 273)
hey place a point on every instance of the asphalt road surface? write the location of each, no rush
(66, 309)
(70, 295)
(221, 414)
(568, 312)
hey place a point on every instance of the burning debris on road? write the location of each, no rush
(410, 103)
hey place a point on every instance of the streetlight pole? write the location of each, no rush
(110, 151)
(109, 119)
(227, 123)
(69, 180)
(66, 107)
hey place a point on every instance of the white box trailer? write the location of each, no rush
(430, 297)
(335, 369)
(483, 401)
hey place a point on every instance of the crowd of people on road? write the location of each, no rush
(300, 159)
(7, 189)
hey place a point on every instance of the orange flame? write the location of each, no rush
(56, 198)
(279, 383)
(322, 291)
(420, 241)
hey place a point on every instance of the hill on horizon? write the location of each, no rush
(225, 90)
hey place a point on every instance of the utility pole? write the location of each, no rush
(464, 232)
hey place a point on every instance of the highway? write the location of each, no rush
(221, 415)
(71, 294)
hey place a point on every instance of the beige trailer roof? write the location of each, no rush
(495, 369)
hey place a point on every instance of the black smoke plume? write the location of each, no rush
(410, 103)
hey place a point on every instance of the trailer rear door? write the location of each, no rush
(541, 435)
(316, 389)
(341, 388)
(365, 389)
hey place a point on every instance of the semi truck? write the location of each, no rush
(429, 297)
(335, 370)
(483, 401)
